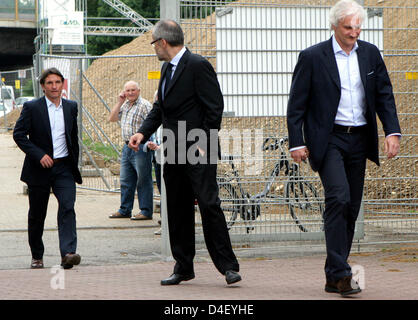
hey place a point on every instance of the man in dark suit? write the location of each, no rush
(190, 103)
(47, 133)
(338, 86)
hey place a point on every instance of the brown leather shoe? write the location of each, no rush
(331, 287)
(347, 286)
(70, 260)
(118, 215)
(37, 264)
(140, 216)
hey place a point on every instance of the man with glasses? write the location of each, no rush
(189, 101)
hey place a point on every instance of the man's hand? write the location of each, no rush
(391, 146)
(47, 162)
(300, 154)
(122, 97)
(152, 145)
(135, 141)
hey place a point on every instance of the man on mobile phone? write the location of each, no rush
(135, 167)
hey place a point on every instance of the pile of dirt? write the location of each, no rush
(11, 118)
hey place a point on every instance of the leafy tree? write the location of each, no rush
(27, 89)
(97, 45)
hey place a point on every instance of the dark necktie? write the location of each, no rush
(167, 77)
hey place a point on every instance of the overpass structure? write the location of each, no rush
(17, 33)
(24, 29)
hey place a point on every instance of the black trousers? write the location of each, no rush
(63, 187)
(184, 184)
(342, 175)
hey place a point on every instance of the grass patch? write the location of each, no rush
(106, 151)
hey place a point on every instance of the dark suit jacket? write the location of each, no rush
(193, 95)
(315, 95)
(32, 134)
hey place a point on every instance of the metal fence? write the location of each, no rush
(254, 48)
(95, 83)
(14, 85)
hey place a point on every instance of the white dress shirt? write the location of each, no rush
(352, 107)
(56, 120)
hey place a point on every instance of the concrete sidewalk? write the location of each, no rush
(298, 278)
(120, 258)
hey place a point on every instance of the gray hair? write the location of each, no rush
(170, 31)
(343, 9)
(132, 82)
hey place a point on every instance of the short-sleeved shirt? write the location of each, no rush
(131, 117)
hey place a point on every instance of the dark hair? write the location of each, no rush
(48, 72)
(170, 31)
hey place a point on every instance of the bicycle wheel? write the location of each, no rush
(229, 203)
(305, 206)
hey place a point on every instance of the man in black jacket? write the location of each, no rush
(189, 106)
(47, 133)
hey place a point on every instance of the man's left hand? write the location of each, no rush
(392, 146)
(135, 141)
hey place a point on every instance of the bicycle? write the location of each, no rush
(301, 196)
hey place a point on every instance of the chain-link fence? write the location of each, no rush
(254, 48)
(95, 83)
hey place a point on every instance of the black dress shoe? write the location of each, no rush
(176, 278)
(70, 260)
(232, 276)
(347, 286)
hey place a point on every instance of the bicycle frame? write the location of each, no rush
(249, 206)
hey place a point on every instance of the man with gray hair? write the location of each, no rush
(135, 167)
(338, 87)
(189, 100)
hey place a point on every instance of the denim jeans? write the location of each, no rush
(135, 174)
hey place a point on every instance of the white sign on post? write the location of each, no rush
(68, 28)
(55, 7)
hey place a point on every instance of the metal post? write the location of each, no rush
(80, 111)
(169, 9)
(360, 222)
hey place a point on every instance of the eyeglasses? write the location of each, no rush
(153, 42)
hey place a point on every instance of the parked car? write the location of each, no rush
(7, 98)
(21, 100)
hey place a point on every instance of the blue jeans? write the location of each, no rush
(135, 174)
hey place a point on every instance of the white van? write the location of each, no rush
(7, 99)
